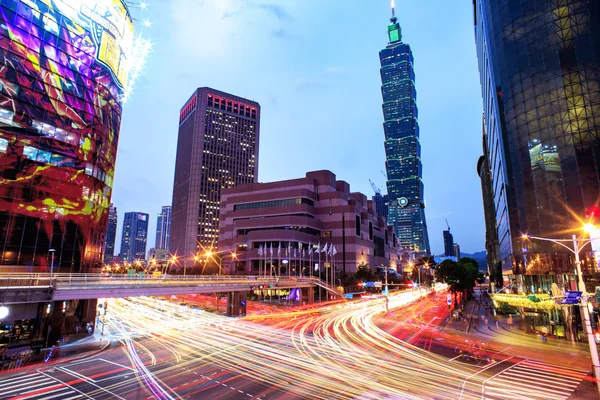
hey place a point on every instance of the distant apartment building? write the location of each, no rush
(217, 148)
(281, 224)
(134, 237)
(163, 228)
(111, 234)
(456, 251)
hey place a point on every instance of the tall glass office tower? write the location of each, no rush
(539, 63)
(406, 209)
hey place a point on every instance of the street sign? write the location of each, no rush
(378, 285)
(572, 298)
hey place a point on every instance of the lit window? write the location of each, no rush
(89, 169)
(6, 116)
(43, 156)
(3, 145)
(30, 152)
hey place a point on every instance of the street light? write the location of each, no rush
(387, 294)
(52, 251)
(579, 244)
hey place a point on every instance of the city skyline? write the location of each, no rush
(300, 133)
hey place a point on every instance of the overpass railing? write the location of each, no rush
(63, 281)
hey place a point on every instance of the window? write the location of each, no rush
(89, 168)
(3, 145)
(370, 230)
(43, 156)
(274, 203)
(6, 116)
(30, 152)
(357, 225)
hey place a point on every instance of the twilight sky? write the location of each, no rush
(313, 65)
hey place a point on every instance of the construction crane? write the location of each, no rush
(447, 224)
(375, 188)
(384, 175)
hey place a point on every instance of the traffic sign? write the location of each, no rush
(572, 298)
(449, 299)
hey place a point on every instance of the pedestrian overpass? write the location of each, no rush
(19, 288)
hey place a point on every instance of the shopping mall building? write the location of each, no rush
(276, 227)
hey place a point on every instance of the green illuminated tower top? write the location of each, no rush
(394, 30)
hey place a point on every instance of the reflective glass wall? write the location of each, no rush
(62, 77)
(543, 58)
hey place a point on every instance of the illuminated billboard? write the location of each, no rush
(64, 66)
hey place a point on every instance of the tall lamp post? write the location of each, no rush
(579, 244)
(52, 251)
(387, 293)
(196, 258)
(214, 256)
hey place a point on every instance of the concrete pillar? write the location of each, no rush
(236, 304)
(308, 295)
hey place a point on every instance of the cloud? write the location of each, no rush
(276, 10)
(281, 34)
(321, 80)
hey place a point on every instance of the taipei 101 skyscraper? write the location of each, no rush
(402, 147)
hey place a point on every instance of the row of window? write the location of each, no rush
(273, 203)
(46, 157)
(231, 106)
(76, 84)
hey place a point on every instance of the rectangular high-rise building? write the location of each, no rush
(217, 147)
(134, 237)
(111, 234)
(406, 207)
(448, 243)
(163, 228)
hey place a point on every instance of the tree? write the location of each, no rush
(460, 276)
(364, 273)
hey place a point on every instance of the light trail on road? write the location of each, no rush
(335, 351)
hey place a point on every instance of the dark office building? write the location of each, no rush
(492, 246)
(217, 148)
(111, 234)
(61, 97)
(134, 237)
(163, 228)
(406, 208)
(539, 63)
(448, 243)
(381, 204)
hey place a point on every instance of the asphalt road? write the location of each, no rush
(338, 351)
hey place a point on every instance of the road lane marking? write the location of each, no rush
(77, 374)
(20, 381)
(90, 381)
(117, 364)
(65, 384)
(69, 391)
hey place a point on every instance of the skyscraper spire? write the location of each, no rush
(394, 31)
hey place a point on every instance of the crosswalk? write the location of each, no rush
(532, 380)
(35, 386)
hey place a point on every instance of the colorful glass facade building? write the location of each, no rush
(539, 63)
(406, 207)
(217, 148)
(62, 79)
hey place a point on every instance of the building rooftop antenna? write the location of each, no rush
(394, 19)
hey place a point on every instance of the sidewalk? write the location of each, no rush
(86, 347)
